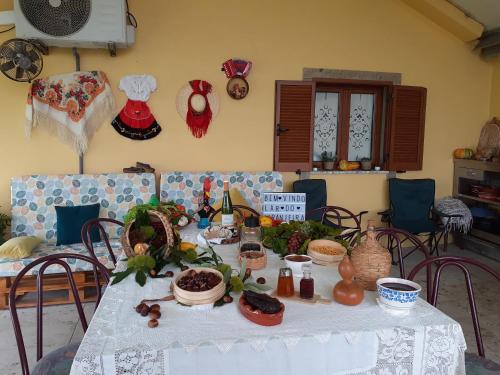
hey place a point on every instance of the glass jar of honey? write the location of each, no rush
(285, 283)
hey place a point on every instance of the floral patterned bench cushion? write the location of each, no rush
(185, 187)
(12, 267)
(34, 199)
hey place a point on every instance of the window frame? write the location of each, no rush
(346, 87)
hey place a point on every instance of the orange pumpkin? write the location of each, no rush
(463, 153)
(345, 165)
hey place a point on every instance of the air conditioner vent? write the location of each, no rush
(57, 17)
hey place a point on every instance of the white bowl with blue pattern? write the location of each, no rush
(403, 299)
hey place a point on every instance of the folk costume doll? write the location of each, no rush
(135, 120)
(197, 104)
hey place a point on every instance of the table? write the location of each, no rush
(313, 339)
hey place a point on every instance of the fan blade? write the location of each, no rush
(33, 69)
(7, 52)
(20, 47)
(19, 73)
(33, 55)
(7, 66)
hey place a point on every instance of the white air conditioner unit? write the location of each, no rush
(73, 23)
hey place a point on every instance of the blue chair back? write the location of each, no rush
(411, 203)
(315, 190)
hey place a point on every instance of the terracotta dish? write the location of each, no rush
(258, 317)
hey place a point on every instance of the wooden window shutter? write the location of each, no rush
(293, 126)
(404, 146)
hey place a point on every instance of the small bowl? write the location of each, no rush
(402, 299)
(296, 266)
(258, 317)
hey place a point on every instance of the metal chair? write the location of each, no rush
(474, 364)
(341, 218)
(59, 357)
(239, 209)
(412, 209)
(95, 226)
(405, 245)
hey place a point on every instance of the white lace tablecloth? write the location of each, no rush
(313, 339)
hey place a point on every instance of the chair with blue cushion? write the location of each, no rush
(474, 364)
(412, 209)
(59, 361)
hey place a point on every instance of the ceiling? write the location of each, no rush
(486, 12)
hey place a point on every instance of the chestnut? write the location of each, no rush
(154, 307)
(144, 310)
(227, 299)
(169, 274)
(261, 280)
(153, 323)
(155, 314)
(139, 307)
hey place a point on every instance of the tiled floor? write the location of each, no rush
(61, 325)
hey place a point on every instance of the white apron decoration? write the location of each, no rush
(135, 120)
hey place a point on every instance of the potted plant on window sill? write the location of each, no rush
(366, 164)
(328, 160)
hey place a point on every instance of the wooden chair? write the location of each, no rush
(92, 225)
(63, 357)
(339, 217)
(474, 364)
(239, 209)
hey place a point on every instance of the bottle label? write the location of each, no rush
(227, 220)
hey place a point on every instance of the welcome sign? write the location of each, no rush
(284, 206)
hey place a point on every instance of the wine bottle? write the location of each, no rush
(227, 208)
(205, 210)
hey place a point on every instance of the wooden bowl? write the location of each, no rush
(199, 298)
(258, 317)
(321, 258)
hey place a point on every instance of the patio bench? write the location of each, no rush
(33, 214)
(185, 187)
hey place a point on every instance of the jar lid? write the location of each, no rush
(252, 222)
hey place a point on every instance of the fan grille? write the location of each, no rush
(57, 17)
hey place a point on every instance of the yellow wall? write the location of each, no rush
(182, 40)
(495, 89)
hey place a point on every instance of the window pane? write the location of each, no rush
(360, 126)
(325, 123)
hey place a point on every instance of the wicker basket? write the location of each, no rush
(161, 223)
(371, 260)
(199, 298)
(325, 259)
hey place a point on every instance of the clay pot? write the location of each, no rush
(257, 316)
(371, 260)
(347, 291)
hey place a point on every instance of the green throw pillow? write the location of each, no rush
(70, 220)
(19, 247)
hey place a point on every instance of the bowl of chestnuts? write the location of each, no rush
(199, 286)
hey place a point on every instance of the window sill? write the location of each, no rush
(357, 171)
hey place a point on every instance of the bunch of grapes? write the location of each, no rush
(295, 242)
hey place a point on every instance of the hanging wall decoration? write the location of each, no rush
(236, 70)
(71, 106)
(198, 104)
(135, 120)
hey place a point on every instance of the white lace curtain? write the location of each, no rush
(360, 126)
(325, 123)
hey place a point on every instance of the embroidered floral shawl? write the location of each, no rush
(72, 106)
